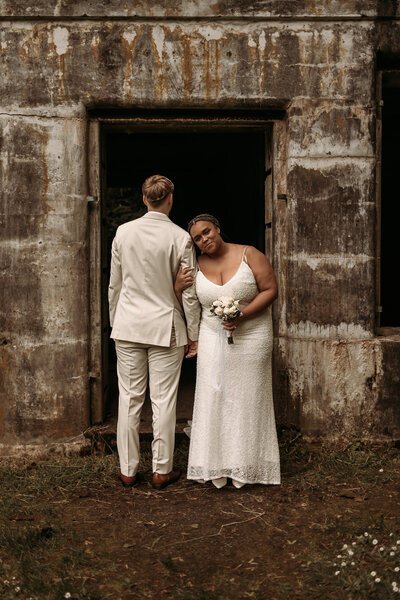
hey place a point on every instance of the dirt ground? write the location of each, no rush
(70, 530)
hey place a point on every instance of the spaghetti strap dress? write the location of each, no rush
(233, 432)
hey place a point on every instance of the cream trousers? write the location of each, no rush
(136, 365)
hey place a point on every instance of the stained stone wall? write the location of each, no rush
(316, 60)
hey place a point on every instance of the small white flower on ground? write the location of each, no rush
(398, 542)
(354, 543)
(67, 595)
(366, 534)
(377, 579)
(381, 549)
(339, 556)
(392, 554)
(345, 546)
(343, 563)
(373, 573)
(17, 589)
(380, 470)
(394, 583)
(350, 552)
(352, 563)
(397, 569)
(337, 572)
(394, 547)
(374, 542)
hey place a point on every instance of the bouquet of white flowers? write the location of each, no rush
(227, 309)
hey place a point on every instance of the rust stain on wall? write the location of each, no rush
(187, 65)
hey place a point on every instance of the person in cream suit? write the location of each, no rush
(149, 328)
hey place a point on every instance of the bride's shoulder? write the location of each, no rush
(251, 251)
(248, 251)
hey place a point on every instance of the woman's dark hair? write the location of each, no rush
(204, 217)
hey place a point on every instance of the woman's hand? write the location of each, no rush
(184, 279)
(232, 323)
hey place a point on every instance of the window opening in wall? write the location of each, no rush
(220, 171)
(390, 200)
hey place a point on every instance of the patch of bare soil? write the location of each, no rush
(193, 541)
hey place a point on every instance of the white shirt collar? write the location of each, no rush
(154, 214)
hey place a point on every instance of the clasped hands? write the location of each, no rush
(190, 349)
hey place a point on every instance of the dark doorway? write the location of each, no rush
(220, 171)
(390, 201)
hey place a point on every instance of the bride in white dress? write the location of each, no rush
(233, 431)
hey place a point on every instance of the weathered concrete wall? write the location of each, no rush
(209, 9)
(43, 297)
(187, 62)
(317, 59)
(340, 388)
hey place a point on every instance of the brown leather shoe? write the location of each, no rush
(161, 481)
(127, 481)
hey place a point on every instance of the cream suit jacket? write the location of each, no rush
(146, 255)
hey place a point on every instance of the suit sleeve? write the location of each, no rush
(191, 304)
(115, 285)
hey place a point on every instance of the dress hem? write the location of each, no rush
(236, 479)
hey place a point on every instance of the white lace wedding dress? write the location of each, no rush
(233, 428)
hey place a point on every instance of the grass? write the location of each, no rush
(63, 530)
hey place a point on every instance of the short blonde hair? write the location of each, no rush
(156, 189)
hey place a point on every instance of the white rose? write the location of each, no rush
(233, 310)
(217, 303)
(219, 311)
(226, 300)
(227, 310)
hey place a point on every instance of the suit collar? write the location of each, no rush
(153, 214)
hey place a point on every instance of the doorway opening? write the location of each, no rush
(220, 170)
(389, 203)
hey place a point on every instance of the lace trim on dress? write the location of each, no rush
(268, 473)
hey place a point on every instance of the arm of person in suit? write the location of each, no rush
(190, 302)
(115, 284)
